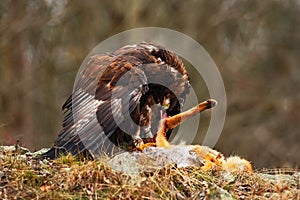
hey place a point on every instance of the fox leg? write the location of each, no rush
(172, 122)
(169, 123)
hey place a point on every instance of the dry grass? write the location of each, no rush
(23, 177)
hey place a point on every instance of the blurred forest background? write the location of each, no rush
(255, 44)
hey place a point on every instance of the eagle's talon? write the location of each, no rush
(144, 146)
(137, 142)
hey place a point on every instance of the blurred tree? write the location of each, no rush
(254, 43)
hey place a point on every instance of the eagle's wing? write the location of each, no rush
(107, 91)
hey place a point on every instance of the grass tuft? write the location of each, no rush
(23, 177)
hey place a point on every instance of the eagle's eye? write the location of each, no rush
(166, 102)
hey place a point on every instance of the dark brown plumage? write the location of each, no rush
(140, 83)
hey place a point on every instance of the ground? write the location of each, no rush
(22, 176)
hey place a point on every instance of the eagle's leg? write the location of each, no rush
(172, 122)
(148, 141)
(141, 143)
(137, 141)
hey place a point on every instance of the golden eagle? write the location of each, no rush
(124, 99)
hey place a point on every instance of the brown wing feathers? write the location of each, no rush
(119, 84)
